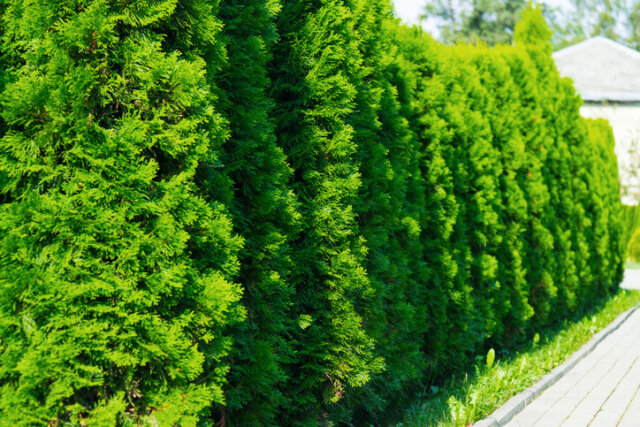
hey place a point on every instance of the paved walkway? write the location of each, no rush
(603, 389)
(631, 279)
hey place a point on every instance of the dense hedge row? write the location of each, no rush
(261, 213)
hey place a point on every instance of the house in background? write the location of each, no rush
(606, 74)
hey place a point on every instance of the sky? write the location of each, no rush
(410, 10)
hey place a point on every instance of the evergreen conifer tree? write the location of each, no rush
(538, 260)
(114, 272)
(502, 109)
(446, 298)
(263, 213)
(583, 217)
(314, 68)
(475, 164)
(388, 219)
(403, 205)
(602, 180)
(534, 36)
(612, 272)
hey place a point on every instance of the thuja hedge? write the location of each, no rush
(280, 213)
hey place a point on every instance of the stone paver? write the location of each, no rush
(631, 413)
(602, 389)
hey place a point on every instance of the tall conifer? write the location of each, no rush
(538, 261)
(115, 274)
(263, 213)
(534, 36)
(314, 69)
(502, 109)
(475, 165)
(388, 219)
(447, 301)
(610, 229)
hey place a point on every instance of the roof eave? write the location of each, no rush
(611, 97)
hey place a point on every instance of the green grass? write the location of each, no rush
(464, 400)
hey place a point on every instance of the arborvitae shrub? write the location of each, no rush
(538, 239)
(533, 35)
(115, 274)
(263, 213)
(387, 216)
(609, 230)
(501, 144)
(315, 67)
(448, 306)
(475, 165)
(502, 109)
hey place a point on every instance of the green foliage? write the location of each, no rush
(115, 273)
(6, 61)
(532, 28)
(316, 65)
(630, 221)
(607, 230)
(264, 213)
(511, 211)
(538, 260)
(391, 208)
(633, 247)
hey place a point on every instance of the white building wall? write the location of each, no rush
(625, 121)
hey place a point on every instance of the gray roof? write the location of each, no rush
(601, 69)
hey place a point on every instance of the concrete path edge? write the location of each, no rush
(517, 403)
